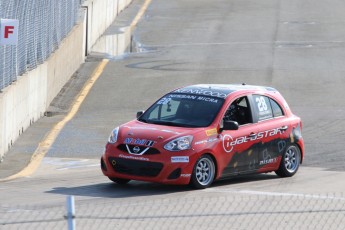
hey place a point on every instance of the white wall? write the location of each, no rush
(26, 100)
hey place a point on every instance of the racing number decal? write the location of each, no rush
(262, 106)
(164, 101)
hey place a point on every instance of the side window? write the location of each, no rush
(263, 107)
(154, 114)
(239, 111)
(277, 110)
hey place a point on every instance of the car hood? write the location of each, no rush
(139, 133)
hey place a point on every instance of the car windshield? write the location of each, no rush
(183, 110)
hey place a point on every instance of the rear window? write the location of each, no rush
(266, 108)
(263, 107)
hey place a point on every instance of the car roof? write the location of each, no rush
(220, 90)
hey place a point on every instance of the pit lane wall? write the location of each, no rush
(26, 100)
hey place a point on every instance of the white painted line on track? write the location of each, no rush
(79, 166)
(66, 163)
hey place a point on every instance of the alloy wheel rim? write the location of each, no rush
(204, 171)
(291, 159)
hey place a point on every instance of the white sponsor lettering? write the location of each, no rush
(206, 141)
(185, 175)
(229, 143)
(268, 161)
(134, 158)
(203, 92)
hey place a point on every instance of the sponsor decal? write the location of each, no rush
(137, 141)
(134, 158)
(180, 159)
(200, 142)
(281, 145)
(165, 100)
(204, 92)
(206, 141)
(211, 132)
(185, 175)
(268, 161)
(183, 96)
(207, 99)
(229, 142)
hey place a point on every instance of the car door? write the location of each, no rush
(272, 130)
(240, 145)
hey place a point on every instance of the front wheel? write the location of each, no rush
(119, 180)
(203, 173)
(290, 162)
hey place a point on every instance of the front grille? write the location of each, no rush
(150, 151)
(135, 167)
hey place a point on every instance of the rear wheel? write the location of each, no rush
(119, 180)
(203, 173)
(290, 162)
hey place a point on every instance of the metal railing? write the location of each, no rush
(43, 24)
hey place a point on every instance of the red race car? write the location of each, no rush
(201, 133)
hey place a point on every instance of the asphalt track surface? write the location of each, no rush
(295, 46)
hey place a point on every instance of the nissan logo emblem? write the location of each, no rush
(136, 149)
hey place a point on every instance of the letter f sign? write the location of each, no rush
(9, 31)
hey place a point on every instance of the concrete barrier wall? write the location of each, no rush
(26, 100)
(113, 43)
(100, 15)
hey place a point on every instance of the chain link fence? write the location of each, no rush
(43, 24)
(238, 210)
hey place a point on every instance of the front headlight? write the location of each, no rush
(113, 136)
(178, 144)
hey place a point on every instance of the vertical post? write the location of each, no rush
(70, 213)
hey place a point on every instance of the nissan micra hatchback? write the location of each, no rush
(201, 133)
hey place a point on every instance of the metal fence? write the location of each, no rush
(42, 26)
(242, 210)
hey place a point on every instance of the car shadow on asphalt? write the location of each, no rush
(245, 179)
(138, 188)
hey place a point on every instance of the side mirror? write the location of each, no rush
(139, 113)
(230, 125)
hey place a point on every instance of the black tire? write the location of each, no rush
(119, 180)
(290, 161)
(203, 173)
